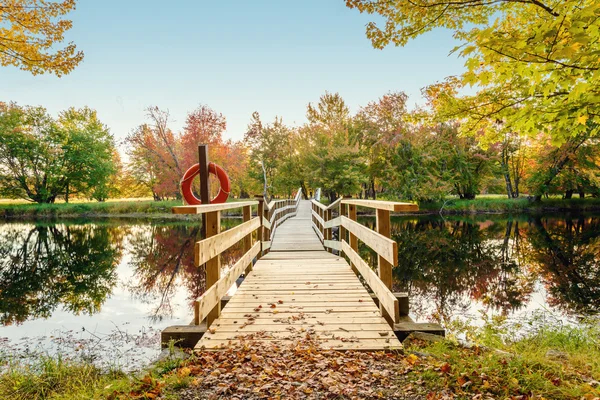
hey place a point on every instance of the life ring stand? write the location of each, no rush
(190, 174)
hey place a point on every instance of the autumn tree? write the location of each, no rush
(377, 128)
(273, 158)
(333, 162)
(30, 31)
(42, 158)
(534, 63)
(153, 150)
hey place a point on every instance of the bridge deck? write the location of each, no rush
(299, 289)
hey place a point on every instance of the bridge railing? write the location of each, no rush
(208, 251)
(379, 240)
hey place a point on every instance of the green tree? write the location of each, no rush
(42, 158)
(332, 162)
(377, 128)
(535, 63)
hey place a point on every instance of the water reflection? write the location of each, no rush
(449, 266)
(44, 266)
(499, 264)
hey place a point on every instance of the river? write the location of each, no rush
(103, 289)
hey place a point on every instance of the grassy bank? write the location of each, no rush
(503, 205)
(550, 361)
(162, 209)
(126, 208)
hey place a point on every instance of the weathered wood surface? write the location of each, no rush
(299, 289)
(206, 208)
(382, 205)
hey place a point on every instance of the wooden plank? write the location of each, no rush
(334, 204)
(318, 218)
(213, 294)
(206, 208)
(213, 266)
(337, 221)
(385, 296)
(247, 244)
(321, 206)
(384, 267)
(266, 223)
(332, 244)
(387, 248)
(215, 245)
(390, 344)
(383, 205)
(266, 245)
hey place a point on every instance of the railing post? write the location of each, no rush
(327, 233)
(260, 233)
(353, 239)
(247, 241)
(384, 267)
(342, 230)
(267, 231)
(213, 266)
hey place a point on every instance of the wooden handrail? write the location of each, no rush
(379, 240)
(208, 251)
(384, 294)
(382, 205)
(207, 208)
(385, 247)
(209, 299)
(318, 204)
(215, 245)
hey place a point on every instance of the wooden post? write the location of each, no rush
(327, 235)
(342, 230)
(384, 267)
(353, 239)
(260, 233)
(247, 241)
(267, 231)
(213, 266)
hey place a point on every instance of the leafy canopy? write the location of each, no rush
(535, 63)
(29, 33)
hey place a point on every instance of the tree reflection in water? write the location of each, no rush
(44, 266)
(448, 265)
(162, 260)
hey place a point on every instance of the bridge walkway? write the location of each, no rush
(299, 289)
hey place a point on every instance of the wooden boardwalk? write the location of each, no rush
(299, 289)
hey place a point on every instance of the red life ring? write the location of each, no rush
(188, 177)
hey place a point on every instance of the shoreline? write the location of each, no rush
(151, 210)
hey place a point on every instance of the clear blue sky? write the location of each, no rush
(271, 56)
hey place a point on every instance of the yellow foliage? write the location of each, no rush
(29, 32)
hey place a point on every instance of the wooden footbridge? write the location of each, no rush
(298, 279)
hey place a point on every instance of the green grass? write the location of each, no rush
(52, 378)
(508, 361)
(90, 209)
(536, 358)
(504, 205)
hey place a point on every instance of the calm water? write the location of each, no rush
(104, 290)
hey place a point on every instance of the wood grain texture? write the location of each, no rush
(297, 289)
(385, 247)
(383, 205)
(386, 298)
(206, 208)
(214, 245)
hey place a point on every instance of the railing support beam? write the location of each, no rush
(384, 267)
(213, 266)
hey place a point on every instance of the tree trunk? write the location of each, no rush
(373, 192)
(569, 194)
(67, 194)
(509, 190)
